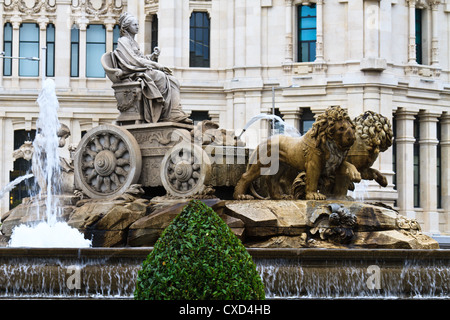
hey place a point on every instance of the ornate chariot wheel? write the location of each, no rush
(185, 170)
(107, 161)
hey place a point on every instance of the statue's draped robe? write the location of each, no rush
(161, 91)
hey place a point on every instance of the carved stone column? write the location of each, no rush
(428, 174)
(43, 22)
(405, 161)
(15, 21)
(292, 118)
(445, 167)
(82, 24)
(319, 32)
(288, 52)
(412, 32)
(435, 33)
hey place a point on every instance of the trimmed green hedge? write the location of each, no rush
(198, 257)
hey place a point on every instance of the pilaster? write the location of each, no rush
(405, 161)
(428, 174)
(445, 167)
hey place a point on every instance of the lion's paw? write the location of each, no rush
(355, 177)
(315, 196)
(243, 197)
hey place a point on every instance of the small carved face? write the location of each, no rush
(343, 134)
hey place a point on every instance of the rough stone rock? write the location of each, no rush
(89, 213)
(273, 223)
(3, 241)
(106, 221)
(145, 231)
(394, 239)
(270, 217)
(32, 211)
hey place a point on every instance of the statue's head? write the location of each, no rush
(128, 24)
(334, 125)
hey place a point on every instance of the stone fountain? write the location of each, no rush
(286, 200)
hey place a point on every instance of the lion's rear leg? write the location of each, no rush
(253, 172)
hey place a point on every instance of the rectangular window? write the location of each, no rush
(199, 40)
(306, 121)
(198, 116)
(74, 51)
(7, 48)
(21, 167)
(50, 59)
(154, 42)
(394, 152)
(416, 163)
(95, 48)
(438, 167)
(29, 48)
(116, 36)
(419, 33)
(307, 33)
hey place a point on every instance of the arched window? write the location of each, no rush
(95, 48)
(199, 40)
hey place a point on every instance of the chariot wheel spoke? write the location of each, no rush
(114, 145)
(99, 183)
(121, 172)
(115, 179)
(122, 162)
(98, 146)
(107, 183)
(91, 176)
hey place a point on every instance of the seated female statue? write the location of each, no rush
(159, 87)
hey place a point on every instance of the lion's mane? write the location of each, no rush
(324, 126)
(375, 130)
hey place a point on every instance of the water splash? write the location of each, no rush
(13, 184)
(45, 235)
(47, 172)
(283, 128)
(360, 193)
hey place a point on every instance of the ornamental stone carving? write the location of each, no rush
(105, 11)
(38, 10)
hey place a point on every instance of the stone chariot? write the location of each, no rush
(111, 158)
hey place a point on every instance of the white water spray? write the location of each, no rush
(47, 171)
(286, 128)
(13, 184)
(361, 191)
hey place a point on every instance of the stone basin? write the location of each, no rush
(110, 273)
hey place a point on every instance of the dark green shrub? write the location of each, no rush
(198, 257)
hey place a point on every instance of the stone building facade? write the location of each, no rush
(238, 58)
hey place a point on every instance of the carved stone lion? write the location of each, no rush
(320, 152)
(373, 135)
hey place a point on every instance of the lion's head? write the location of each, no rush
(375, 130)
(334, 125)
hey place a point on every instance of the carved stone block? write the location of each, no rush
(129, 102)
(155, 140)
